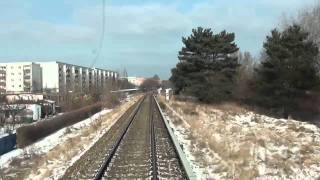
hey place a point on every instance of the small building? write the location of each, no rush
(36, 111)
(48, 107)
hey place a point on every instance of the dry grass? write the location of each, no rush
(229, 107)
(239, 148)
(177, 122)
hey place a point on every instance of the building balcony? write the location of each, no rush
(27, 84)
(26, 71)
(27, 77)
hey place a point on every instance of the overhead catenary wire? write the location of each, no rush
(101, 39)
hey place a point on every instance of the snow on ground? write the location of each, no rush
(60, 167)
(50, 141)
(61, 149)
(232, 143)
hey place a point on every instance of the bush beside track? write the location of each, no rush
(27, 135)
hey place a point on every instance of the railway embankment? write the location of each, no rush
(226, 141)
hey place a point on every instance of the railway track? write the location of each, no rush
(168, 162)
(87, 166)
(142, 149)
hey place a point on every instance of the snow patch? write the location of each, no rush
(223, 144)
(46, 144)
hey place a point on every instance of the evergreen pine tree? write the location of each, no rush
(207, 65)
(289, 69)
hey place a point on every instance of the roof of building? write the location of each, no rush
(20, 62)
(57, 62)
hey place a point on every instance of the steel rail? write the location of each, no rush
(105, 165)
(153, 143)
(182, 157)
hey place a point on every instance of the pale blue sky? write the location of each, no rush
(142, 35)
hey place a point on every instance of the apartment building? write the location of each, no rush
(102, 76)
(137, 81)
(51, 77)
(20, 77)
(61, 77)
(3, 79)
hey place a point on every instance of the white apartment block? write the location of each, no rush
(20, 77)
(53, 77)
(3, 79)
(61, 77)
(137, 81)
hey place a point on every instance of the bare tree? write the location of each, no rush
(108, 98)
(244, 75)
(150, 84)
(308, 18)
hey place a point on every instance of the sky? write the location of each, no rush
(142, 36)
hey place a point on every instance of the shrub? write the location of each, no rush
(27, 135)
(110, 100)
